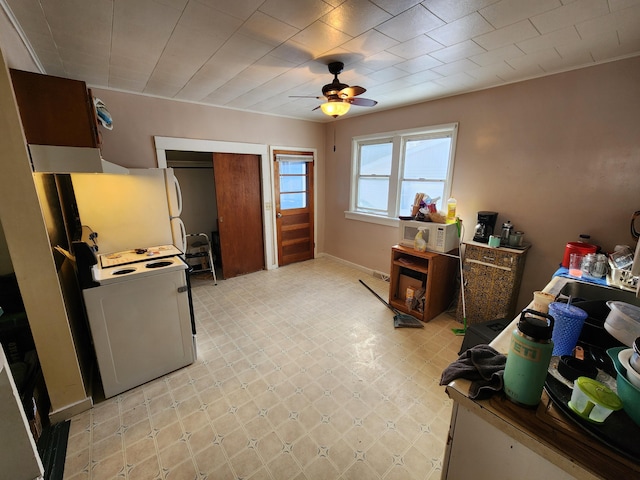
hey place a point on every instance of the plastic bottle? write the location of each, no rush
(418, 242)
(451, 210)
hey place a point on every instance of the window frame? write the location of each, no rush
(399, 139)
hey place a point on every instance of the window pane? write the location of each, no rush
(293, 200)
(409, 190)
(373, 193)
(376, 159)
(293, 183)
(295, 168)
(427, 159)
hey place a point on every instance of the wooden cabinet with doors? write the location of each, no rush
(55, 111)
(492, 278)
(430, 272)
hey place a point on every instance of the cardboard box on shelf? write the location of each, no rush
(404, 283)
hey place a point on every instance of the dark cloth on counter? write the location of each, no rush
(483, 365)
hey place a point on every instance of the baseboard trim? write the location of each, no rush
(369, 271)
(69, 411)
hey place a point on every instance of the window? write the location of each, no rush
(389, 169)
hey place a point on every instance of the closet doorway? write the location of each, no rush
(221, 198)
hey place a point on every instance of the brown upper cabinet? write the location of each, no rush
(55, 111)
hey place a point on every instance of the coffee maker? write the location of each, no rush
(485, 226)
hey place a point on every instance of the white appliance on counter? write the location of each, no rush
(140, 315)
(439, 237)
(132, 211)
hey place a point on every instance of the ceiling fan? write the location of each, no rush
(339, 96)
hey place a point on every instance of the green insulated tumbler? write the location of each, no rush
(528, 358)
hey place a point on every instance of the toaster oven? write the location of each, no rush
(439, 237)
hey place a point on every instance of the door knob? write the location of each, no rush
(278, 215)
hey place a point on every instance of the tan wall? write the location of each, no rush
(558, 156)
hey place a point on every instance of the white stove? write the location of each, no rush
(140, 316)
(122, 266)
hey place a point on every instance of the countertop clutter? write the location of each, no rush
(544, 441)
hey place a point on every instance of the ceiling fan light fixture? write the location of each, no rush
(335, 108)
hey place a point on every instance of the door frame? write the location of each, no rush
(163, 144)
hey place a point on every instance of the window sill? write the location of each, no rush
(363, 217)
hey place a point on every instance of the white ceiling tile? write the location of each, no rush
(125, 84)
(92, 19)
(458, 51)
(496, 56)
(570, 14)
(320, 37)
(409, 24)
(569, 58)
(522, 72)
(418, 64)
(132, 64)
(206, 19)
(604, 53)
(507, 35)
(293, 52)
(616, 5)
(460, 30)
(455, 80)
(415, 47)
(30, 16)
(267, 29)
(300, 13)
(449, 10)
(161, 88)
(414, 93)
(554, 63)
(490, 72)
(550, 40)
(627, 22)
(455, 67)
(508, 12)
(241, 9)
(124, 73)
(244, 47)
(79, 46)
(539, 58)
(88, 72)
(387, 74)
(395, 7)
(369, 43)
(380, 61)
(254, 54)
(177, 4)
(355, 17)
(133, 33)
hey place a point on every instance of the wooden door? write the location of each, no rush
(293, 172)
(238, 194)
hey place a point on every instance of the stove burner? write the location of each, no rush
(164, 263)
(124, 271)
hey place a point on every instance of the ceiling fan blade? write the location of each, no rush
(362, 102)
(351, 91)
(314, 109)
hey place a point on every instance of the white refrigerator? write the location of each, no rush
(138, 210)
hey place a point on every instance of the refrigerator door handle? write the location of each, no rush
(179, 233)
(176, 185)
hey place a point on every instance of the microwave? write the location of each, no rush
(440, 237)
